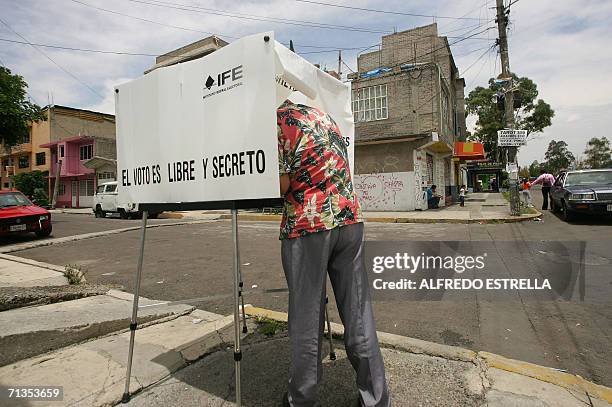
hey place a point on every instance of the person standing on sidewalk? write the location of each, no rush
(462, 195)
(547, 180)
(322, 232)
(526, 192)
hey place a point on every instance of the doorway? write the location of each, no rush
(74, 191)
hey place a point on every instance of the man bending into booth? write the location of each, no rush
(322, 232)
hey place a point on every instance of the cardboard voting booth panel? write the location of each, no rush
(202, 134)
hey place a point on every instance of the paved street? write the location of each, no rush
(76, 224)
(194, 261)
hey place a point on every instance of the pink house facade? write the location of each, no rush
(77, 182)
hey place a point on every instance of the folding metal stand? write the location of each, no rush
(134, 320)
(237, 305)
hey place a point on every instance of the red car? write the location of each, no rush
(19, 215)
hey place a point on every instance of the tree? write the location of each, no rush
(16, 111)
(534, 168)
(598, 153)
(534, 115)
(30, 182)
(558, 157)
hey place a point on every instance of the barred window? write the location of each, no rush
(370, 103)
(86, 152)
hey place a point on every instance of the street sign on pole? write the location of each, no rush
(511, 138)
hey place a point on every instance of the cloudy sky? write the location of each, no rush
(562, 45)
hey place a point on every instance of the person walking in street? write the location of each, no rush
(546, 180)
(322, 233)
(462, 195)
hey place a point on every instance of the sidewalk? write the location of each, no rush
(181, 362)
(479, 208)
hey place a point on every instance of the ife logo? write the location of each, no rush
(222, 78)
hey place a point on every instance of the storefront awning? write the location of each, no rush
(467, 151)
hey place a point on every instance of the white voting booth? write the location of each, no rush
(202, 135)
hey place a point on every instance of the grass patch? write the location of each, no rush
(269, 327)
(74, 274)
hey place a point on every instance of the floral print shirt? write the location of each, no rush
(313, 153)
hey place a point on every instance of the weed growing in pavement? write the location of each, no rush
(74, 274)
(270, 327)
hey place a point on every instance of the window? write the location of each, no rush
(370, 103)
(61, 189)
(111, 188)
(61, 151)
(106, 176)
(86, 187)
(24, 161)
(25, 139)
(41, 158)
(100, 189)
(86, 152)
(6, 185)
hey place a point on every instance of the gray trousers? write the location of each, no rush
(306, 261)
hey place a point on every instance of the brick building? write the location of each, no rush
(408, 102)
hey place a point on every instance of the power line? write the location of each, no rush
(320, 3)
(225, 13)
(51, 59)
(478, 59)
(437, 49)
(152, 21)
(140, 54)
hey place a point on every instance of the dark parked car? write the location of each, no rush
(582, 191)
(19, 215)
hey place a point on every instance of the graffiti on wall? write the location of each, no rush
(390, 191)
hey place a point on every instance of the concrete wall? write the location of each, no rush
(387, 157)
(68, 123)
(386, 191)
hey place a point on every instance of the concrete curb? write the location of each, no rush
(277, 218)
(491, 360)
(34, 263)
(50, 242)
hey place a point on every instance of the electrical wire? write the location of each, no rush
(320, 3)
(53, 61)
(252, 17)
(476, 61)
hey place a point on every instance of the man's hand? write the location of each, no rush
(284, 184)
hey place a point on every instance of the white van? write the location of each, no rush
(106, 201)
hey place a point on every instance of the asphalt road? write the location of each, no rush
(195, 261)
(75, 224)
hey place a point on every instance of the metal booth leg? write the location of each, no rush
(237, 351)
(134, 320)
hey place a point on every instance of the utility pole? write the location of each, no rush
(339, 64)
(506, 76)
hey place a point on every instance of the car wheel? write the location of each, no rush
(567, 214)
(44, 232)
(99, 212)
(123, 214)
